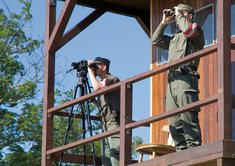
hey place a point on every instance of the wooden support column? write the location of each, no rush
(144, 23)
(61, 24)
(125, 118)
(224, 70)
(78, 28)
(225, 162)
(49, 70)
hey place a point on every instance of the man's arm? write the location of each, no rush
(158, 38)
(94, 81)
(190, 29)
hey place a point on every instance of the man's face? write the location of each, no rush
(187, 15)
(100, 69)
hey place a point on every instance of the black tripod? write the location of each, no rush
(84, 88)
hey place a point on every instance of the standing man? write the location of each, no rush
(109, 107)
(182, 86)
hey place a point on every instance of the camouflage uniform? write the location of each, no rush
(182, 86)
(110, 111)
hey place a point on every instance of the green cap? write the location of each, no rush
(187, 8)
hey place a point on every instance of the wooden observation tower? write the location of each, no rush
(217, 82)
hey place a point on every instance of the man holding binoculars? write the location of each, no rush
(182, 86)
(109, 107)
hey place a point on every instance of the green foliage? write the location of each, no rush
(76, 131)
(23, 128)
(135, 142)
(19, 157)
(14, 42)
(9, 134)
(30, 123)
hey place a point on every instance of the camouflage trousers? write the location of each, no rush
(110, 146)
(184, 127)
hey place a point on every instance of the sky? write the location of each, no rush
(116, 37)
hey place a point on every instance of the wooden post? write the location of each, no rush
(225, 162)
(224, 70)
(49, 70)
(125, 117)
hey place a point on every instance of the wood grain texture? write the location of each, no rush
(208, 83)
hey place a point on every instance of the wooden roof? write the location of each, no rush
(133, 8)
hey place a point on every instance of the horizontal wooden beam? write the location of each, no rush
(74, 158)
(169, 65)
(233, 101)
(192, 156)
(80, 27)
(135, 124)
(115, 8)
(144, 23)
(65, 114)
(79, 159)
(84, 98)
(204, 155)
(136, 78)
(165, 115)
(97, 118)
(61, 25)
(233, 46)
(83, 141)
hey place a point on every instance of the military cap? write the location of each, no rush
(102, 60)
(187, 8)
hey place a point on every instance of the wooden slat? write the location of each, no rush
(233, 101)
(125, 118)
(73, 158)
(82, 142)
(233, 46)
(65, 114)
(61, 24)
(134, 79)
(80, 27)
(49, 70)
(84, 98)
(145, 24)
(164, 115)
(225, 162)
(167, 66)
(190, 156)
(224, 72)
(208, 85)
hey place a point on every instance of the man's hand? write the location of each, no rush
(89, 62)
(177, 10)
(166, 19)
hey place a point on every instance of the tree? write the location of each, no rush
(20, 76)
(14, 44)
(16, 88)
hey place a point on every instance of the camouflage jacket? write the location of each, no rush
(187, 40)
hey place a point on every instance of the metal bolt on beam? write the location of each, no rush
(49, 157)
(49, 116)
(129, 86)
(128, 131)
(53, 2)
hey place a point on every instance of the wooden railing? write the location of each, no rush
(218, 150)
(126, 123)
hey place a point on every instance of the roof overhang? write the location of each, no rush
(133, 8)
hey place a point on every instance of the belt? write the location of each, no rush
(174, 73)
(111, 116)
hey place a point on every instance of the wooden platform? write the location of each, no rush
(159, 149)
(220, 153)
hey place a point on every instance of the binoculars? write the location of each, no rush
(169, 12)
